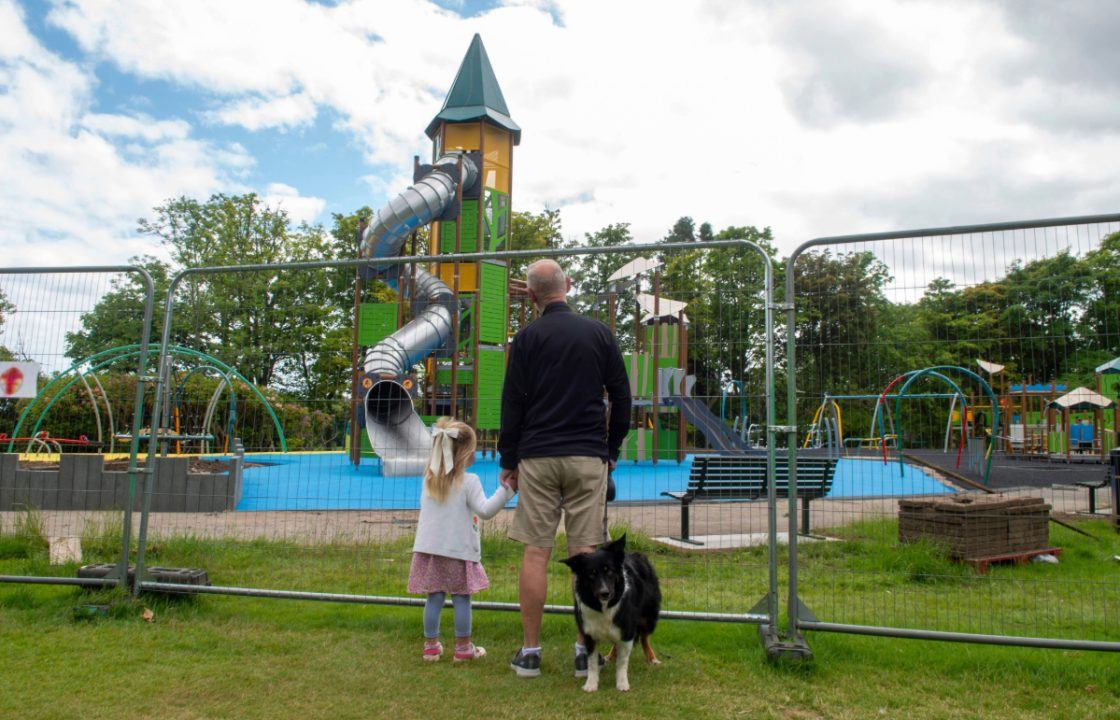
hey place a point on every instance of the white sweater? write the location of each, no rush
(450, 528)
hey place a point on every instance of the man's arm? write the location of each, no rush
(513, 408)
(617, 384)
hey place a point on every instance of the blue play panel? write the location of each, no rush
(327, 481)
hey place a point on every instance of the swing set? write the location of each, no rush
(826, 431)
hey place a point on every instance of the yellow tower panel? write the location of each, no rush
(468, 276)
(497, 144)
(460, 136)
(495, 177)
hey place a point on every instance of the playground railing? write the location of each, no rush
(325, 519)
(74, 364)
(952, 531)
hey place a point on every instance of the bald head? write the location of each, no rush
(547, 282)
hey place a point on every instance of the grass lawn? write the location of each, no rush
(218, 657)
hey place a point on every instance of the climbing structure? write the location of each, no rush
(459, 310)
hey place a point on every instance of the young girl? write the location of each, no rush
(446, 553)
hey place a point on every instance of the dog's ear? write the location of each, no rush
(575, 562)
(617, 547)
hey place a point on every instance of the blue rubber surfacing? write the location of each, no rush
(327, 481)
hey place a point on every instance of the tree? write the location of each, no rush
(1045, 299)
(963, 324)
(590, 273)
(683, 230)
(5, 309)
(1099, 325)
(118, 317)
(724, 292)
(277, 327)
(840, 323)
(529, 231)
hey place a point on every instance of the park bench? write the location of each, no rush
(742, 478)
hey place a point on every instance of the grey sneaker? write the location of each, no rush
(581, 664)
(526, 665)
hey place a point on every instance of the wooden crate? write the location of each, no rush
(975, 525)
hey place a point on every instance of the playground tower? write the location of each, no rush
(465, 380)
(458, 310)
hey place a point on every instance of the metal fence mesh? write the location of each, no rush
(66, 428)
(955, 412)
(943, 488)
(299, 515)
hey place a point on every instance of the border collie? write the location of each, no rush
(617, 599)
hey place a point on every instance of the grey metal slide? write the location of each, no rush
(396, 432)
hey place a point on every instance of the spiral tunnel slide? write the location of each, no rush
(396, 432)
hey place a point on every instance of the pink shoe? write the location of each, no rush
(433, 650)
(470, 652)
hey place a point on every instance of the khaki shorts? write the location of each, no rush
(576, 485)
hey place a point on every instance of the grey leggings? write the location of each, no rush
(432, 608)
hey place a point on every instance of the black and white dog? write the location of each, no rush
(618, 599)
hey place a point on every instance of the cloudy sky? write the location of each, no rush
(814, 118)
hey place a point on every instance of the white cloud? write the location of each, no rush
(257, 113)
(74, 181)
(300, 209)
(815, 118)
(138, 126)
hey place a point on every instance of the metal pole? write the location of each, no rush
(137, 422)
(792, 598)
(771, 442)
(682, 355)
(355, 436)
(1007, 640)
(455, 323)
(655, 330)
(747, 618)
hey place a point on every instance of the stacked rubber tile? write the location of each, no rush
(976, 525)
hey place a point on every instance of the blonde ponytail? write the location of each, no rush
(439, 479)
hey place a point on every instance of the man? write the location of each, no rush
(555, 445)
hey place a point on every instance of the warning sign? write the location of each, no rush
(18, 379)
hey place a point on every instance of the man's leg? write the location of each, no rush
(532, 590)
(534, 526)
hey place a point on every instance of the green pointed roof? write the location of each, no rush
(475, 95)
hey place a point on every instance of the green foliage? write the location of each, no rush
(118, 317)
(533, 231)
(102, 537)
(30, 531)
(5, 309)
(307, 426)
(280, 329)
(1046, 319)
(589, 274)
(73, 416)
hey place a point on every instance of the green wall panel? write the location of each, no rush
(493, 302)
(639, 368)
(666, 441)
(376, 321)
(465, 376)
(468, 232)
(669, 342)
(495, 217)
(491, 377)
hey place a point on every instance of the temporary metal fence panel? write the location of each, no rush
(268, 499)
(73, 365)
(942, 367)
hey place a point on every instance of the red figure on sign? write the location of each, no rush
(12, 379)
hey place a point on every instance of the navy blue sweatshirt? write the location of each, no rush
(552, 400)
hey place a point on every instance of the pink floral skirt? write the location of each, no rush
(436, 573)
